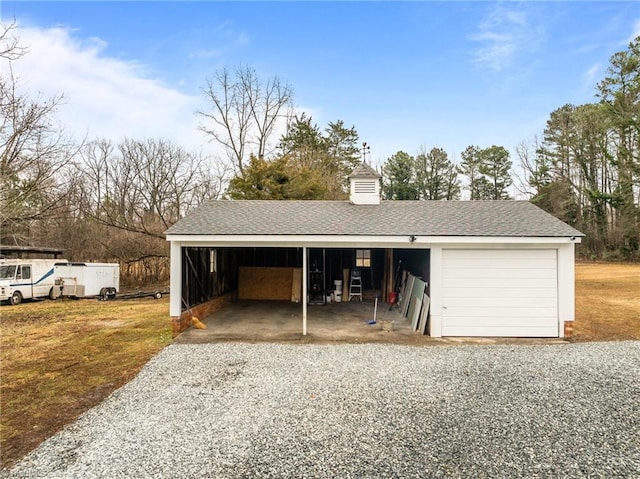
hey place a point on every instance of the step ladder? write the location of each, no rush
(355, 284)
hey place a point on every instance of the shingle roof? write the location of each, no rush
(364, 171)
(419, 218)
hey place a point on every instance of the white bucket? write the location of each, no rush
(337, 296)
(338, 283)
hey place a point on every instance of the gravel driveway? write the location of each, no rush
(273, 410)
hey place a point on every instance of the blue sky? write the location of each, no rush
(405, 74)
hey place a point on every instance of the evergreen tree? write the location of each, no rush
(400, 177)
(470, 167)
(437, 176)
(309, 165)
(283, 178)
(620, 96)
(495, 166)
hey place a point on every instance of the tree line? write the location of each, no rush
(111, 201)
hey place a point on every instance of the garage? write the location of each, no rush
(490, 268)
(499, 292)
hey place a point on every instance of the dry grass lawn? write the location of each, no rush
(59, 358)
(607, 302)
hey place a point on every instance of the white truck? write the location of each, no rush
(28, 278)
(52, 278)
(84, 280)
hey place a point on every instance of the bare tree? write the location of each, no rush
(436, 175)
(33, 152)
(244, 113)
(10, 48)
(533, 169)
(144, 186)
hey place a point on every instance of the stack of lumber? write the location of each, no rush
(413, 302)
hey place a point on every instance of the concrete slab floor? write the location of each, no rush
(281, 321)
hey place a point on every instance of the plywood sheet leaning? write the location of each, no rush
(264, 283)
(417, 292)
(410, 308)
(401, 288)
(406, 302)
(418, 288)
(415, 313)
(402, 301)
(296, 285)
(424, 314)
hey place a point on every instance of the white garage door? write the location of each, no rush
(500, 293)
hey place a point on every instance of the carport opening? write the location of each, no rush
(275, 274)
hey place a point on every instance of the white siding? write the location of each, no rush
(500, 293)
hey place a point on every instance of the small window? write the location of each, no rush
(363, 258)
(213, 261)
(26, 272)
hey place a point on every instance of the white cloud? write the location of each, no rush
(104, 96)
(589, 77)
(504, 34)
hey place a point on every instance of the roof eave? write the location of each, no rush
(393, 241)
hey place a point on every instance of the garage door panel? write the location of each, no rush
(500, 293)
(489, 312)
(511, 265)
(513, 297)
(498, 331)
(499, 284)
(506, 302)
(489, 325)
(476, 292)
(515, 273)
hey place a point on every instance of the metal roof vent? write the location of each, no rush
(364, 186)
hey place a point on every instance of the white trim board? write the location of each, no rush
(333, 241)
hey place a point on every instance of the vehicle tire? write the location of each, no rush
(158, 295)
(16, 298)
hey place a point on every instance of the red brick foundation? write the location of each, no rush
(568, 329)
(182, 322)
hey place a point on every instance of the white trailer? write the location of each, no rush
(83, 280)
(28, 278)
